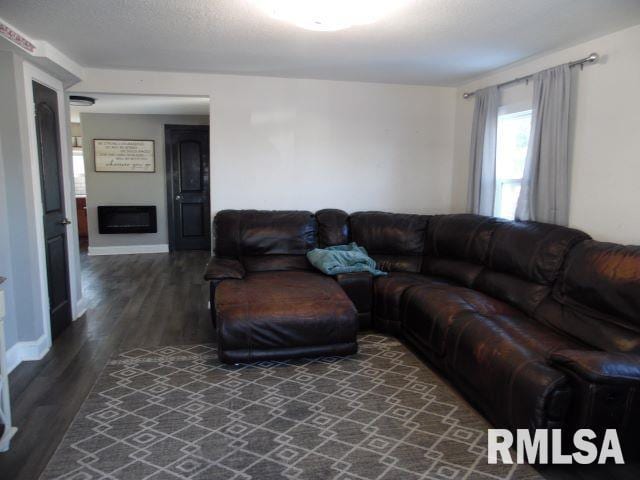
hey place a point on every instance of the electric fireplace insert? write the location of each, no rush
(127, 219)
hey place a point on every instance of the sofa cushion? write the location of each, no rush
(522, 294)
(600, 367)
(457, 246)
(531, 251)
(501, 362)
(429, 310)
(223, 268)
(388, 291)
(524, 260)
(276, 311)
(397, 263)
(394, 241)
(459, 271)
(588, 329)
(270, 263)
(460, 237)
(333, 227)
(603, 280)
(253, 234)
(597, 297)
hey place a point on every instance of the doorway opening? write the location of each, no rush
(141, 173)
(47, 129)
(187, 166)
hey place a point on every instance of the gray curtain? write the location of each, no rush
(482, 177)
(544, 196)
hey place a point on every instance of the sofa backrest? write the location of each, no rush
(599, 294)
(524, 260)
(457, 246)
(266, 240)
(394, 240)
(333, 227)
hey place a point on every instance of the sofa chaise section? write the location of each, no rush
(267, 302)
(284, 314)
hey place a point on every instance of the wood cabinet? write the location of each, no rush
(81, 207)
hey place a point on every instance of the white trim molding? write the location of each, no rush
(41, 53)
(129, 249)
(34, 205)
(25, 351)
(81, 307)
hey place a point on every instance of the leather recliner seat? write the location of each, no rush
(537, 324)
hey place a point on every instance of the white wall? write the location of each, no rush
(310, 144)
(22, 259)
(605, 148)
(6, 265)
(18, 262)
(10, 194)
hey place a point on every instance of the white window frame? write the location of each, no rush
(77, 151)
(510, 109)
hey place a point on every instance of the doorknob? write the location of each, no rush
(178, 197)
(65, 221)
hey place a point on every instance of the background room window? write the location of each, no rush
(78, 173)
(511, 151)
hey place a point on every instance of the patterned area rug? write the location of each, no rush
(177, 413)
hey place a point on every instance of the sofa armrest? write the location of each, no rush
(605, 387)
(599, 367)
(359, 288)
(220, 268)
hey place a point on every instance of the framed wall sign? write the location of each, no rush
(124, 155)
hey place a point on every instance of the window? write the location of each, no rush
(511, 152)
(78, 173)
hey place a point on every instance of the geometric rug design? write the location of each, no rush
(168, 413)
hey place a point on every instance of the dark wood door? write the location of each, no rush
(55, 221)
(187, 152)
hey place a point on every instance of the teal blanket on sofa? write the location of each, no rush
(343, 259)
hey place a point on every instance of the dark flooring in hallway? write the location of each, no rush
(133, 300)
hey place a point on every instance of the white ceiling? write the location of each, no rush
(439, 42)
(144, 104)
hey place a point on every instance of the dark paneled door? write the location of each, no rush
(187, 150)
(55, 221)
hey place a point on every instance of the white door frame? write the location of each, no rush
(34, 208)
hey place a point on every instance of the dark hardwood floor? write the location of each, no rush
(134, 300)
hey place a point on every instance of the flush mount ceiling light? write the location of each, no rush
(328, 15)
(80, 101)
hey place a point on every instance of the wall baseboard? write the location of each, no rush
(81, 308)
(129, 249)
(24, 351)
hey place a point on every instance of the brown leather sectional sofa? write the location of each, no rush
(538, 325)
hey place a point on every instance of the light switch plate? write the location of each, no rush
(1, 303)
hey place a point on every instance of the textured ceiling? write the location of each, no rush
(149, 104)
(439, 42)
